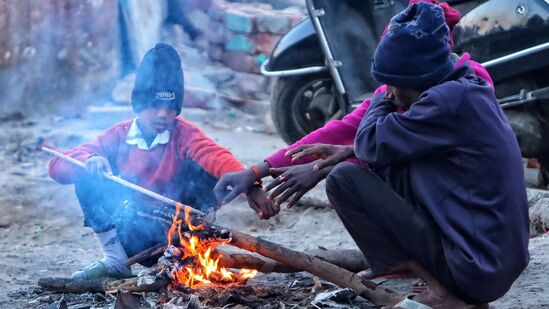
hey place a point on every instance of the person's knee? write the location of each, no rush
(340, 180)
(343, 175)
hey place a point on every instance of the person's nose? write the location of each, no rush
(162, 112)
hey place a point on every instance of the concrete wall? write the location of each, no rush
(54, 51)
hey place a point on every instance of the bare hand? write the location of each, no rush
(294, 180)
(98, 165)
(239, 182)
(330, 154)
(258, 201)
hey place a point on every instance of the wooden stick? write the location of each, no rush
(376, 294)
(126, 183)
(352, 260)
(152, 252)
(66, 285)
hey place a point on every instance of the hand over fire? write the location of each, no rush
(295, 180)
(97, 165)
(239, 182)
(329, 154)
(258, 201)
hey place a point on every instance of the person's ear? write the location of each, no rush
(389, 93)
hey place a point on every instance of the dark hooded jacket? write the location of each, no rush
(466, 169)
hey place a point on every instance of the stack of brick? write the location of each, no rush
(237, 38)
(242, 35)
(250, 33)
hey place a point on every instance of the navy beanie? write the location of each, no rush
(415, 52)
(159, 79)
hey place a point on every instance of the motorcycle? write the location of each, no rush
(322, 65)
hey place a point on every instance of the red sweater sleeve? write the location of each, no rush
(104, 145)
(213, 158)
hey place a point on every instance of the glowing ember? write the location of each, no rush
(198, 257)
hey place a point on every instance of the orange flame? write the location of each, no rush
(205, 269)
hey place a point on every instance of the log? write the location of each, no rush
(350, 259)
(378, 295)
(77, 286)
(152, 252)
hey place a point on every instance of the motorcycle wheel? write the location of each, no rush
(302, 104)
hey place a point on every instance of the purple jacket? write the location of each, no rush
(342, 132)
(466, 168)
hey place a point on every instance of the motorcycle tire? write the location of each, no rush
(302, 104)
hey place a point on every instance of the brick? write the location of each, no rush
(197, 80)
(259, 59)
(294, 14)
(296, 19)
(203, 5)
(215, 33)
(199, 19)
(251, 85)
(217, 10)
(218, 74)
(239, 21)
(215, 52)
(197, 98)
(240, 61)
(273, 22)
(264, 42)
(240, 43)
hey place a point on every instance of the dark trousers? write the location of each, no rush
(380, 212)
(108, 205)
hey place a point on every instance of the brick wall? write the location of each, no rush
(242, 35)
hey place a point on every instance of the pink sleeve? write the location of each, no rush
(479, 70)
(335, 132)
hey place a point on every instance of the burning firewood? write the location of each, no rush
(196, 262)
(314, 265)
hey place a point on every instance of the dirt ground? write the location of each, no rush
(41, 233)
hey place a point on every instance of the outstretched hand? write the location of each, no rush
(258, 201)
(239, 182)
(329, 154)
(294, 180)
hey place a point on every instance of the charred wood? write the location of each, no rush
(66, 285)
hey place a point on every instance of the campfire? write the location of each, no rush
(191, 262)
(192, 259)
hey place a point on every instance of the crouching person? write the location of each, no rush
(444, 195)
(158, 150)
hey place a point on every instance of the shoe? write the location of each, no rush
(98, 270)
